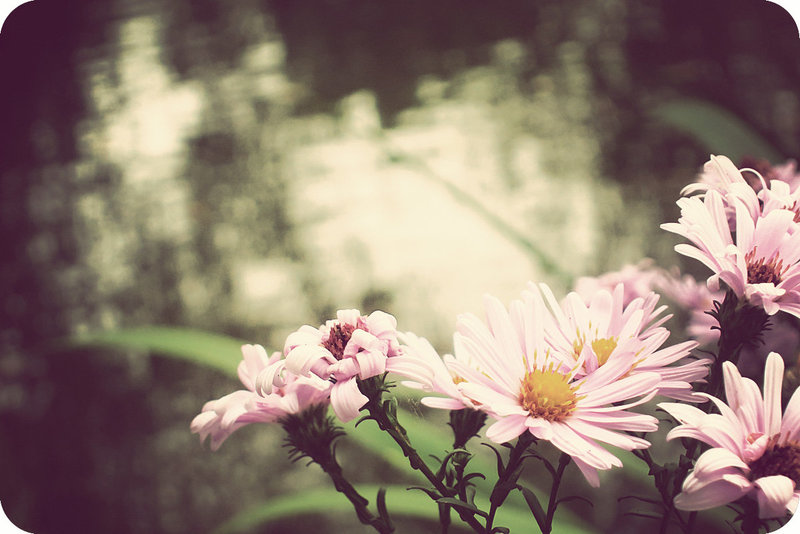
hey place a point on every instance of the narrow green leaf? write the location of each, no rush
(717, 129)
(212, 350)
(534, 505)
(400, 502)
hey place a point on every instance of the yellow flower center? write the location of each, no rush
(603, 348)
(547, 393)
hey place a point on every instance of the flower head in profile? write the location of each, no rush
(589, 336)
(755, 450)
(762, 265)
(506, 368)
(342, 350)
(220, 418)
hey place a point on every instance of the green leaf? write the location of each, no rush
(400, 503)
(534, 505)
(327, 501)
(718, 130)
(458, 503)
(212, 350)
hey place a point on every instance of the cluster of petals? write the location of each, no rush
(507, 368)
(341, 351)
(220, 418)
(762, 264)
(589, 335)
(755, 449)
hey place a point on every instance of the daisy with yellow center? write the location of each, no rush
(506, 368)
(601, 328)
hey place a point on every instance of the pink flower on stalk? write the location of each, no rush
(590, 336)
(762, 266)
(221, 417)
(755, 451)
(508, 370)
(351, 347)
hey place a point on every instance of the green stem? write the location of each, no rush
(563, 461)
(750, 521)
(334, 470)
(389, 424)
(507, 480)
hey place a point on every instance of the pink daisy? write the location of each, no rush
(755, 451)
(762, 266)
(351, 347)
(590, 336)
(221, 417)
(508, 370)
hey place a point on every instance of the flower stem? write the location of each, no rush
(384, 414)
(312, 434)
(563, 461)
(507, 478)
(341, 484)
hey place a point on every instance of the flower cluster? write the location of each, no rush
(577, 374)
(561, 372)
(748, 239)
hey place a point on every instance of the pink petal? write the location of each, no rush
(711, 495)
(371, 363)
(442, 403)
(774, 495)
(773, 380)
(347, 400)
(506, 429)
(718, 459)
(589, 472)
(790, 428)
(302, 358)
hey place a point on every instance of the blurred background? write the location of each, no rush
(247, 167)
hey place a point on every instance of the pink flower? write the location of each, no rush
(341, 351)
(755, 451)
(590, 336)
(719, 174)
(508, 370)
(762, 266)
(637, 281)
(221, 417)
